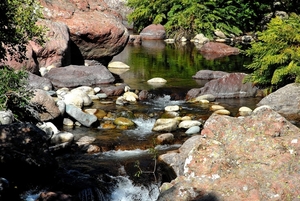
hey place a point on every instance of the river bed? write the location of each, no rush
(121, 149)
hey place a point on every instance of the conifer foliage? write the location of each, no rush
(276, 54)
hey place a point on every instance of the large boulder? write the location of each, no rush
(285, 101)
(228, 86)
(38, 82)
(49, 109)
(153, 32)
(74, 76)
(214, 50)
(209, 74)
(96, 31)
(55, 51)
(251, 158)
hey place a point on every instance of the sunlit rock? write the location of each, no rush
(189, 123)
(157, 80)
(222, 112)
(216, 107)
(122, 121)
(6, 117)
(172, 108)
(193, 130)
(200, 38)
(130, 96)
(169, 40)
(245, 111)
(86, 89)
(68, 122)
(118, 64)
(48, 127)
(165, 125)
(87, 101)
(62, 137)
(219, 33)
(170, 115)
(82, 117)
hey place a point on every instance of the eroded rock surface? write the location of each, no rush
(250, 158)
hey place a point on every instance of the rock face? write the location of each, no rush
(285, 101)
(74, 76)
(96, 31)
(250, 158)
(214, 50)
(228, 86)
(56, 50)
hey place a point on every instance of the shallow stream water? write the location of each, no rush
(121, 149)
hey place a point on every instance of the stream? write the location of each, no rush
(122, 149)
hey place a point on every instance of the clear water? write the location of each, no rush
(177, 64)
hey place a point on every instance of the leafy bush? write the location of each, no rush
(18, 20)
(276, 54)
(192, 17)
(15, 95)
(18, 24)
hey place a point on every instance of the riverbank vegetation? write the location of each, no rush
(275, 54)
(18, 25)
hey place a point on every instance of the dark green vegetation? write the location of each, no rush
(15, 95)
(17, 26)
(275, 54)
(204, 16)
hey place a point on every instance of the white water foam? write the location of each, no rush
(123, 154)
(144, 127)
(161, 102)
(31, 195)
(125, 190)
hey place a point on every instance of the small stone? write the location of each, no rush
(172, 108)
(102, 95)
(193, 130)
(245, 111)
(68, 122)
(169, 115)
(165, 138)
(189, 123)
(157, 80)
(117, 64)
(97, 90)
(216, 107)
(222, 112)
(122, 121)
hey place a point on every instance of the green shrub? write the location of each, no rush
(276, 54)
(184, 17)
(15, 95)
